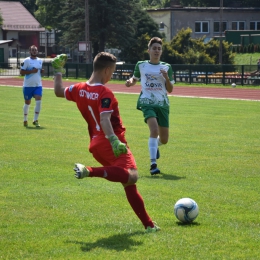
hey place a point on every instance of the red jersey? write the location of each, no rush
(92, 100)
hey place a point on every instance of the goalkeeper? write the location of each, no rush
(108, 145)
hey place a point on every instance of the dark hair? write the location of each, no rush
(154, 40)
(103, 60)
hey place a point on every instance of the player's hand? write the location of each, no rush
(128, 83)
(117, 146)
(58, 63)
(164, 73)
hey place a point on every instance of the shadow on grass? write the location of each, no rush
(166, 176)
(34, 128)
(186, 225)
(118, 242)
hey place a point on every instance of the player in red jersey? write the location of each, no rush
(108, 145)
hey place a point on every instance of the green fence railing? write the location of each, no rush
(205, 74)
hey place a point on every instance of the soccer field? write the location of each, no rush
(212, 157)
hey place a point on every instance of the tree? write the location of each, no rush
(117, 24)
(110, 24)
(47, 11)
(185, 50)
(145, 29)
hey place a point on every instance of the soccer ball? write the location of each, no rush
(186, 210)
(233, 85)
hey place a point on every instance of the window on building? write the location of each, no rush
(255, 25)
(238, 25)
(217, 27)
(201, 27)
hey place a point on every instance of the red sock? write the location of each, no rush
(136, 201)
(111, 173)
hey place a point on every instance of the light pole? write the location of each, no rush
(88, 44)
(221, 29)
(162, 24)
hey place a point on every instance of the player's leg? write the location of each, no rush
(150, 117)
(163, 126)
(38, 102)
(153, 144)
(163, 135)
(163, 123)
(137, 203)
(115, 169)
(27, 94)
(123, 171)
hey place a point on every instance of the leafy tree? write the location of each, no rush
(47, 11)
(184, 50)
(110, 24)
(117, 24)
(170, 55)
(212, 49)
(145, 29)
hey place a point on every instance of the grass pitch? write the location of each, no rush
(212, 156)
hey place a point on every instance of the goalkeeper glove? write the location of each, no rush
(58, 63)
(117, 146)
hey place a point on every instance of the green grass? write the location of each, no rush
(212, 156)
(247, 58)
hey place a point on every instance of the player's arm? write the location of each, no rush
(117, 146)
(106, 123)
(136, 75)
(167, 74)
(24, 69)
(169, 85)
(59, 90)
(27, 72)
(130, 82)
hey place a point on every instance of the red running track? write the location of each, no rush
(182, 91)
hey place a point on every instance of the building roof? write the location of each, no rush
(233, 9)
(17, 18)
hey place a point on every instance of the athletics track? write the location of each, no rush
(179, 91)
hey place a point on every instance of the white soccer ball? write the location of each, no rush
(186, 210)
(233, 85)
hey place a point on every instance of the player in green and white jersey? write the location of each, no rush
(156, 81)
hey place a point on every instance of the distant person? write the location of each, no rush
(108, 145)
(31, 69)
(156, 81)
(258, 65)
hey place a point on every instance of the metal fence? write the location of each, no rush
(205, 74)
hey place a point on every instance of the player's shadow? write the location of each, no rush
(34, 128)
(118, 242)
(166, 176)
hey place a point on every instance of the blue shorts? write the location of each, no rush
(29, 92)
